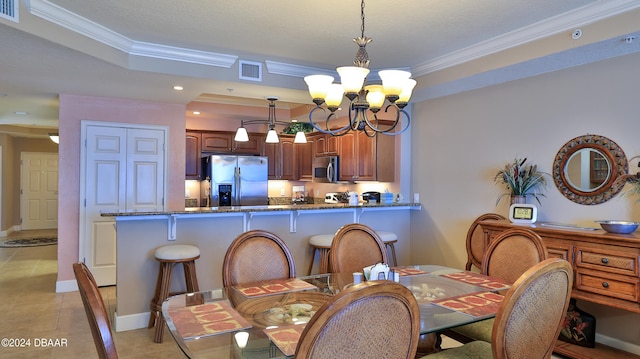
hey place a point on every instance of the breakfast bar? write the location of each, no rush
(212, 229)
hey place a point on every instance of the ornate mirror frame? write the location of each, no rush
(610, 150)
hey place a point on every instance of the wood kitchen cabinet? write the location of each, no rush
(605, 266)
(193, 153)
(282, 159)
(324, 144)
(305, 155)
(222, 142)
(364, 158)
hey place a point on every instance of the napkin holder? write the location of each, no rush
(372, 272)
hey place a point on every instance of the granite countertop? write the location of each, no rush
(265, 208)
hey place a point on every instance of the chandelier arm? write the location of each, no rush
(337, 132)
(404, 128)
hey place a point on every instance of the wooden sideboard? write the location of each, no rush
(605, 265)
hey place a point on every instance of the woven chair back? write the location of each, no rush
(354, 247)
(256, 256)
(530, 316)
(476, 241)
(512, 253)
(377, 319)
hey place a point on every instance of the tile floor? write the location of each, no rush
(32, 310)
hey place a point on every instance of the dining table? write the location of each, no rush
(265, 319)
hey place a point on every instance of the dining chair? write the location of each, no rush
(377, 319)
(476, 242)
(508, 256)
(529, 318)
(257, 255)
(96, 312)
(354, 247)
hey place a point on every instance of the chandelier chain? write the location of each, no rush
(362, 17)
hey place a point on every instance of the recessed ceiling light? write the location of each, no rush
(21, 113)
(196, 112)
(178, 88)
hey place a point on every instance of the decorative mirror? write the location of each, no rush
(586, 168)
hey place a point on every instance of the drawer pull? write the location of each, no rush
(605, 284)
(605, 260)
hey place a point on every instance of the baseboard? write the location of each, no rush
(131, 321)
(618, 344)
(12, 229)
(63, 286)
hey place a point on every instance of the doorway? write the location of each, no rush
(38, 190)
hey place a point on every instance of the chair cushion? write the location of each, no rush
(473, 350)
(177, 252)
(476, 331)
(321, 240)
(387, 236)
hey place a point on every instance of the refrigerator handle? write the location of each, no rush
(237, 177)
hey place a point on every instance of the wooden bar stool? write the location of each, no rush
(390, 239)
(320, 243)
(169, 256)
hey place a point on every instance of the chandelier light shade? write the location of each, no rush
(241, 133)
(54, 137)
(365, 101)
(272, 136)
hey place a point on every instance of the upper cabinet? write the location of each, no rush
(193, 154)
(364, 158)
(305, 154)
(222, 142)
(282, 159)
(324, 144)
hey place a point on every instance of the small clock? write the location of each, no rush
(523, 213)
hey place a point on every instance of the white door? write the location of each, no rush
(124, 171)
(39, 190)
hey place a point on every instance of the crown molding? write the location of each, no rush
(80, 25)
(564, 22)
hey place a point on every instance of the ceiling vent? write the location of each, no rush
(251, 71)
(9, 10)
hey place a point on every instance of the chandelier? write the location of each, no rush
(271, 122)
(365, 101)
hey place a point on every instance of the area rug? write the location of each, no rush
(28, 242)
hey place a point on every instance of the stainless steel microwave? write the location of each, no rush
(325, 169)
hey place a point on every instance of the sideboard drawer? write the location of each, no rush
(613, 262)
(612, 286)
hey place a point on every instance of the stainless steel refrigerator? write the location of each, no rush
(235, 181)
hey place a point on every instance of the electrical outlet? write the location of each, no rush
(416, 198)
(281, 192)
(187, 193)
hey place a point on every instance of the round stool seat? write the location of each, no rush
(387, 236)
(321, 240)
(177, 252)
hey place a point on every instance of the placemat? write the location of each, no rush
(207, 319)
(273, 287)
(479, 280)
(407, 271)
(477, 305)
(285, 338)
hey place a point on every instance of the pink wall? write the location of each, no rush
(74, 109)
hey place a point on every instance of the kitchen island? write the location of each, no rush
(213, 229)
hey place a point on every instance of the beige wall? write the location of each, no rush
(74, 109)
(459, 142)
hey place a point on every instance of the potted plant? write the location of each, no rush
(520, 180)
